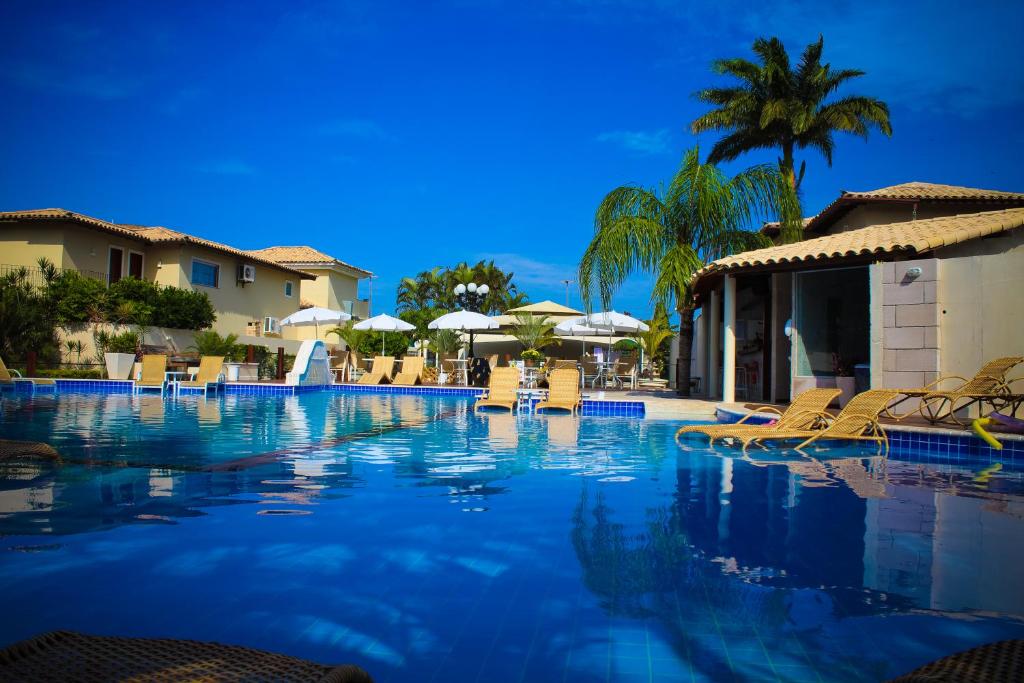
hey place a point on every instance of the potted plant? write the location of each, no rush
(845, 381)
(531, 357)
(119, 352)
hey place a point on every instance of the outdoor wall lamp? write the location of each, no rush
(913, 273)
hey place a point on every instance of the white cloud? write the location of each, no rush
(638, 141)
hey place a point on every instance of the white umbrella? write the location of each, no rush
(464, 321)
(613, 321)
(315, 316)
(575, 327)
(384, 323)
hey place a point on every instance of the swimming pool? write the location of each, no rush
(407, 535)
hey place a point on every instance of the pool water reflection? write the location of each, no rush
(423, 542)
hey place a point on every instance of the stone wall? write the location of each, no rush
(910, 320)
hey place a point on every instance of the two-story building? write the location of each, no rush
(249, 290)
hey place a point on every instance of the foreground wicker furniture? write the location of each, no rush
(805, 410)
(502, 392)
(1001, 662)
(858, 421)
(380, 373)
(69, 656)
(989, 385)
(563, 391)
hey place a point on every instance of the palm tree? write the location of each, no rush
(776, 107)
(534, 332)
(671, 234)
(659, 328)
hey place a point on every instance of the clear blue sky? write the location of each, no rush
(400, 136)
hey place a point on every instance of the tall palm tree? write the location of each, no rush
(777, 107)
(672, 233)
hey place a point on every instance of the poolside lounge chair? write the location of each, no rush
(66, 655)
(412, 371)
(152, 375)
(502, 392)
(858, 421)
(563, 391)
(209, 374)
(7, 380)
(380, 373)
(804, 411)
(989, 385)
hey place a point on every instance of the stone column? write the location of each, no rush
(713, 345)
(729, 342)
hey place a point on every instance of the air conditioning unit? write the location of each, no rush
(246, 273)
(271, 325)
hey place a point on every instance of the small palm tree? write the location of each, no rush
(674, 232)
(444, 342)
(659, 328)
(777, 107)
(351, 336)
(534, 332)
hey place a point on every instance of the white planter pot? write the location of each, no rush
(119, 365)
(847, 385)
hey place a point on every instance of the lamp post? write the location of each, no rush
(470, 297)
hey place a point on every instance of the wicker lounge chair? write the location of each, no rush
(502, 392)
(7, 380)
(412, 371)
(381, 372)
(989, 385)
(65, 655)
(210, 373)
(1000, 662)
(152, 376)
(805, 410)
(563, 392)
(858, 421)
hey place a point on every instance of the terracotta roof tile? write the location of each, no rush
(304, 255)
(147, 234)
(911, 192)
(910, 236)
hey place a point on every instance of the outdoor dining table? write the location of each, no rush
(461, 366)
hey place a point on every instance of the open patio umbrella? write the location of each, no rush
(384, 323)
(613, 321)
(464, 321)
(574, 327)
(315, 316)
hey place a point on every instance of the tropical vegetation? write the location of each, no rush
(27, 321)
(368, 342)
(534, 332)
(673, 231)
(655, 342)
(773, 105)
(435, 288)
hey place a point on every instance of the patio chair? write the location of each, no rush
(356, 369)
(152, 375)
(989, 385)
(858, 421)
(7, 380)
(565, 365)
(502, 392)
(381, 372)
(453, 372)
(412, 371)
(591, 370)
(625, 371)
(803, 413)
(210, 373)
(339, 366)
(563, 392)
(492, 360)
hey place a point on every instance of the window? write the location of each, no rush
(205, 274)
(288, 288)
(135, 264)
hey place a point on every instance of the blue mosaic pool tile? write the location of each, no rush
(97, 386)
(266, 389)
(942, 447)
(472, 392)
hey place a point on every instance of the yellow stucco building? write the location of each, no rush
(250, 291)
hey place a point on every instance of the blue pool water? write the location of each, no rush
(425, 543)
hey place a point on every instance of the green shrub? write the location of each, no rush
(27, 321)
(395, 344)
(183, 309)
(121, 342)
(70, 373)
(209, 343)
(76, 299)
